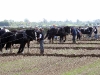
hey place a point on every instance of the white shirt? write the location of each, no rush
(40, 36)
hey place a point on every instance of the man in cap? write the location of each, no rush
(95, 32)
(74, 33)
(41, 40)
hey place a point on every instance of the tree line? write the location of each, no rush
(45, 23)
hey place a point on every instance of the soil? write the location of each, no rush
(58, 59)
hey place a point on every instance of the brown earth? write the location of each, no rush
(58, 59)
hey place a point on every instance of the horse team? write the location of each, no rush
(8, 39)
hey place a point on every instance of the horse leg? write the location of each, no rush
(52, 39)
(19, 51)
(49, 38)
(7, 48)
(8, 45)
(61, 39)
(10, 48)
(1, 47)
(22, 47)
(28, 45)
(65, 38)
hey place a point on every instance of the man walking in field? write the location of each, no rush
(41, 40)
(95, 33)
(74, 33)
(79, 34)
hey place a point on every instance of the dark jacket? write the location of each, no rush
(78, 32)
(42, 38)
(74, 32)
(96, 31)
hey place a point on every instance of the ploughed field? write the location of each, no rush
(82, 58)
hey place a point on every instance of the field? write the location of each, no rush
(82, 58)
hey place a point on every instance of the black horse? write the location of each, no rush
(21, 37)
(6, 39)
(88, 31)
(61, 31)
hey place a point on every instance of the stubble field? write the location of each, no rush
(82, 58)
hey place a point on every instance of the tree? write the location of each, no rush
(27, 22)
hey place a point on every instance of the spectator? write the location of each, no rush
(74, 33)
(41, 40)
(36, 28)
(95, 33)
(79, 34)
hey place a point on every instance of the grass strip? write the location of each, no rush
(85, 68)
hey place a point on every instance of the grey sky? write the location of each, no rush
(36, 10)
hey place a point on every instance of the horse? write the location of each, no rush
(6, 39)
(61, 31)
(87, 31)
(21, 37)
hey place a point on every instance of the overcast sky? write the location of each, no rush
(58, 10)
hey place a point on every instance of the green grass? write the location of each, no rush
(91, 69)
(18, 67)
